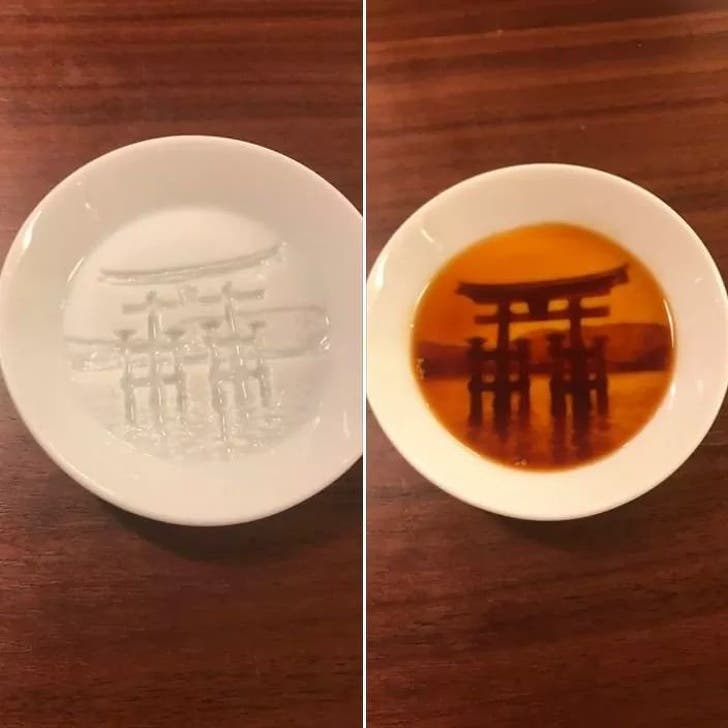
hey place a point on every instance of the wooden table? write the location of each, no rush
(107, 619)
(617, 620)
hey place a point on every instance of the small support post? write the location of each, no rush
(523, 354)
(600, 371)
(179, 379)
(502, 389)
(476, 385)
(557, 385)
(579, 373)
(127, 377)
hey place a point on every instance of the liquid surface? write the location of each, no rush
(543, 347)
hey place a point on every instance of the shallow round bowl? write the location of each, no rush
(180, 329)
(531, 194)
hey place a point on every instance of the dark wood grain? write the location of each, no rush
(107, 619)
(617, 620)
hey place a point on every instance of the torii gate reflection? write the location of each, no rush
(576, 369)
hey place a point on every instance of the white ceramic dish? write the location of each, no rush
(180, 329)
(529, 194)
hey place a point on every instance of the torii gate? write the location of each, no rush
(579, 380)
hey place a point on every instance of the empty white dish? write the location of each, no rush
(180, 329)
(524, 195)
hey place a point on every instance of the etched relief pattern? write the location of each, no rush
(201, 367)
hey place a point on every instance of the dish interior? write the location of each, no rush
(195, 333)
(178, 330)
(545, 346)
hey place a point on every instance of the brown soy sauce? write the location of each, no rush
(543, 347)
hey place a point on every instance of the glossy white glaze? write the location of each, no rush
(180, 329)
(530, 194)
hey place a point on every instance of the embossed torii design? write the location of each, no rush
(161, 341)
(571, 373)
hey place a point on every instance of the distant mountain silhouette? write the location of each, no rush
(630, 347)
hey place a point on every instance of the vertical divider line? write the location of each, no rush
(364, 361)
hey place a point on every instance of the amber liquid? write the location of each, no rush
(598, 352)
